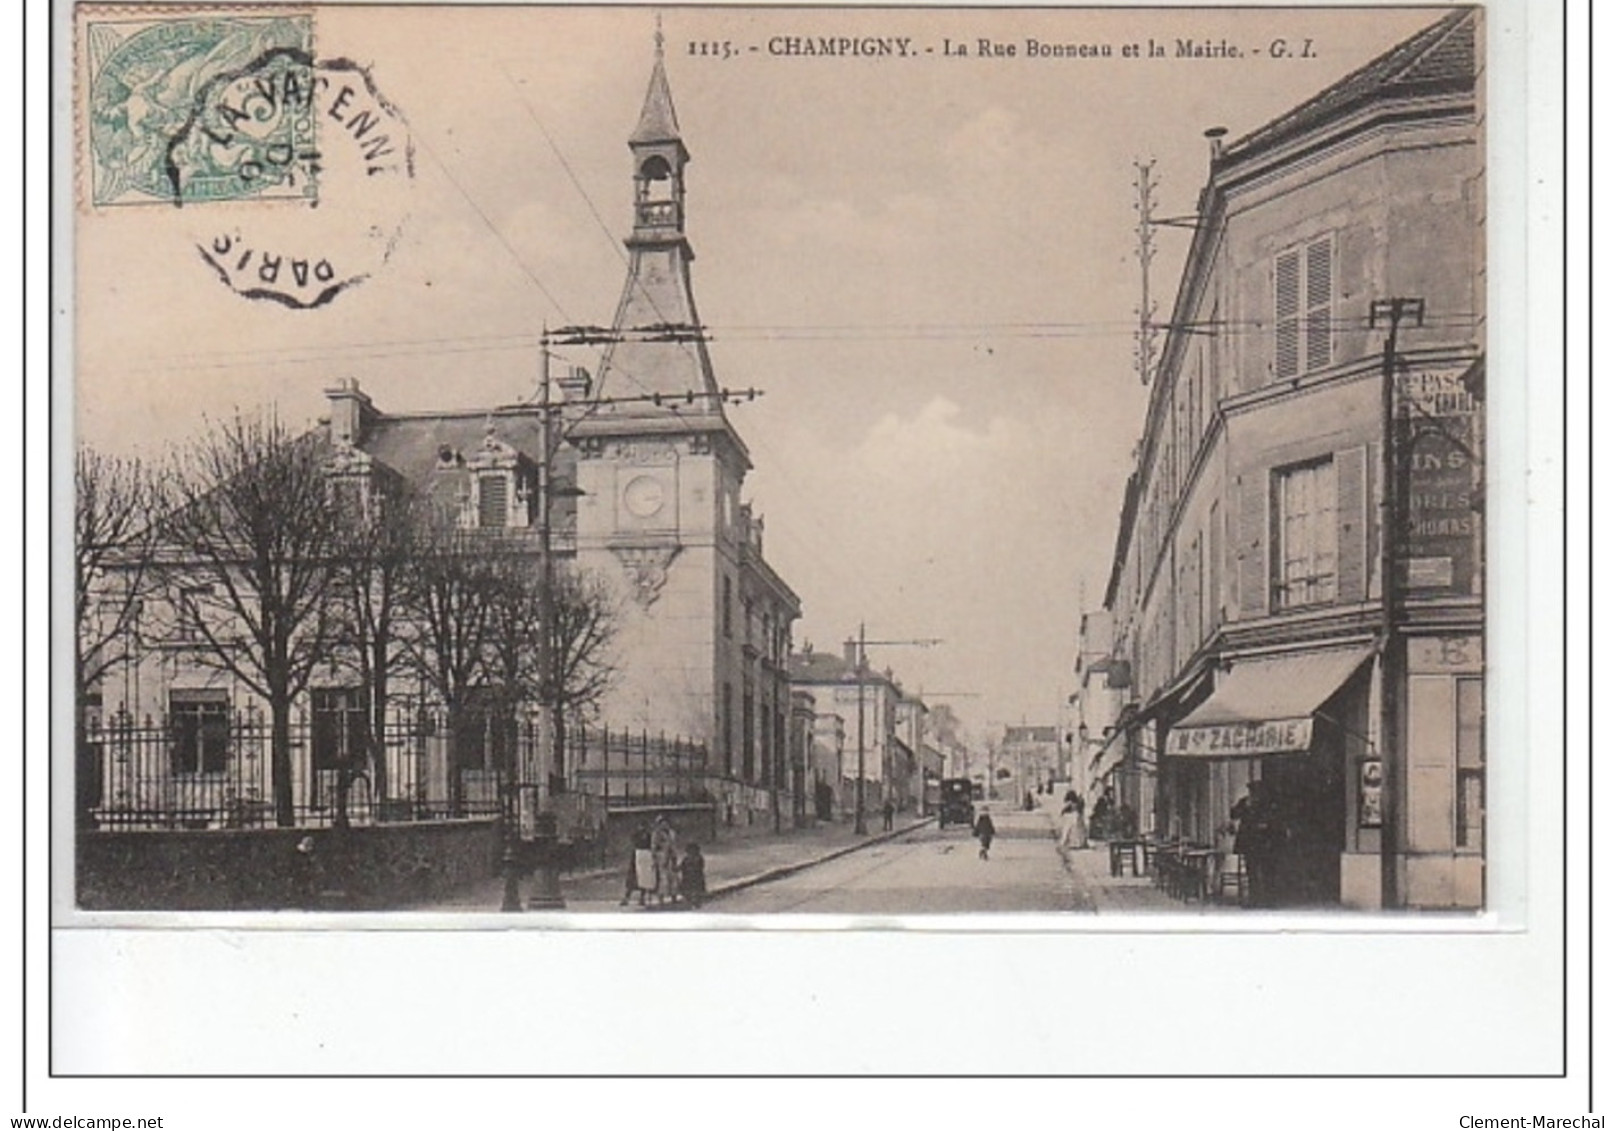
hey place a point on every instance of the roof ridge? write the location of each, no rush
(1385, 71)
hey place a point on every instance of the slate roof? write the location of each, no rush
(657, 121)
(1439, 59)
(412, 444)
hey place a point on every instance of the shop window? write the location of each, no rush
(1306, 535)
(340, 727)
(1471, 784)
(200, 724)
(1303, 308)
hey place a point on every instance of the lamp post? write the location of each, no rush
(862, 662)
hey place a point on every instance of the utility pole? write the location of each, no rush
(860, 667)
(1390, 312)
(1145, 182)
(552, 771)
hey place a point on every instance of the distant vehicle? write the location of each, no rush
(956, 807)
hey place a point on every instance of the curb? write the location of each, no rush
(781, 871)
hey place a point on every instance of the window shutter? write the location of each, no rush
(1351, 512)
(1287, 314)
(1252, 542)
(1320, 304)
(493, 501)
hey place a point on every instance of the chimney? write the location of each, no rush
(850, 652)
(1215, 135)
(576, 384)
(351, 412)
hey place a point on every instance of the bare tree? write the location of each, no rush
(583, 628)
(451, 610)
(378, 568)
(254, 537)
(115, 506)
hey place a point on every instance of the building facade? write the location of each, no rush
(1297, 587)
(859, 709)
(634, 480)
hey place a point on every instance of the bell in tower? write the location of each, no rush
(659, 160)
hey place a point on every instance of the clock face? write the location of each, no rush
(644, 496)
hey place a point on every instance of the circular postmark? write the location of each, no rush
(290, 119)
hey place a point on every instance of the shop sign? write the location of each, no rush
(1276, 736)
(1441, 522)
(1371, 794)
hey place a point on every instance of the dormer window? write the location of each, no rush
(501, 491)
(493, 501)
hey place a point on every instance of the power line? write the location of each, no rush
(493, 230)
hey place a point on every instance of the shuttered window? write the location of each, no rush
(1303, 308)
(1351, 480)
(1307, 537)
(493, 501)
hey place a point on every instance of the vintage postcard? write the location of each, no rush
(1068, 494)
(741, 490)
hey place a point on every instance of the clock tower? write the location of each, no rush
(661, 469)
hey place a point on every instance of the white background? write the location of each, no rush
(1443, 1001)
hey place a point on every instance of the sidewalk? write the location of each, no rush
(732, 865)
(1106, 894)
(1126, 894)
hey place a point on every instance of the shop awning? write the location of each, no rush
(1108, 755)
(1264, 706)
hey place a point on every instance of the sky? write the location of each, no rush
(925, 263)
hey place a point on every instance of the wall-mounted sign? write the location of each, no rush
(1441, 522)
(1370, 794)
(1234, 740)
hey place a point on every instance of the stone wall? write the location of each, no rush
(263, 869)
(695, 824)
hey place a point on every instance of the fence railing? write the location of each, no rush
(627, 768)
(213, 769)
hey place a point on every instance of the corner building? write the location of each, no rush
(1249, 584)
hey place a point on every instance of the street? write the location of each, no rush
(929, 870)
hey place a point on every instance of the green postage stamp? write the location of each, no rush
(189, 108)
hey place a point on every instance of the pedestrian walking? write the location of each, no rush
(1073, 828)
(985, 832)
(888, 812)
(641, 867)
(664, 856)
(693, 876)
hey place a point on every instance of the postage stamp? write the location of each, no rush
(194, 108)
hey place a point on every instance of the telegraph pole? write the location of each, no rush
(858, 825)
(547, 889)
(1390, 312)
(862, 663)
(1145, 207)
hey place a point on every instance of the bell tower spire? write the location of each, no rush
(659, 157)
(658, 347)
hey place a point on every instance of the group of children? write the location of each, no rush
(656, 868)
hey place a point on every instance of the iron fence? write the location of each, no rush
(624, 768)
(211, 768)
